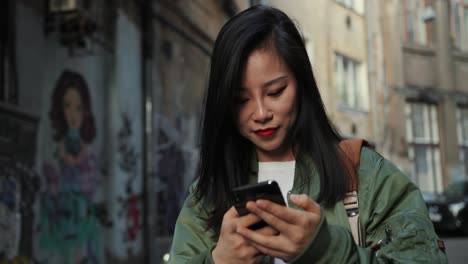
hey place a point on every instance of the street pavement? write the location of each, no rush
(456, 247)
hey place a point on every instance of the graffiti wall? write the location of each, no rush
(126, 147)
(83, 202)
(176, 157)
(130, 201)
(68, 219)
(18, 189)
(88, 203)
(10, 217)
(19, 183)
(178, 96)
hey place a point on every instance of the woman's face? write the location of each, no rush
(267, 105)
(73, 108)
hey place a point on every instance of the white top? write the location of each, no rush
(283, 173)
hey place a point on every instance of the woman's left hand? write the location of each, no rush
(295, 227)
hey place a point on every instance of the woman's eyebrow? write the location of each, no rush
(276, 80)
(269, 83)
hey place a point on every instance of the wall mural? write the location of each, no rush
(131, 201)
(69, 218)
(176, 161)
(18, 189)
(10, 221)
(171, 168)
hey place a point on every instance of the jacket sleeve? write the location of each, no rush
(388, 200)
(191, 242)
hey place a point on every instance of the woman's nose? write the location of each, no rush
(262, 113)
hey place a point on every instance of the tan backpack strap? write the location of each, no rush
(351, 206)
(351, 150)
(352, 155)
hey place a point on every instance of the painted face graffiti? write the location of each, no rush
(68, 222)
(73, 108)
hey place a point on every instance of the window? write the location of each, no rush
(423, 145)
(415, 30)
(462, 129)
(351, 83)
(348, 3)
(356, 5)
(459, 23)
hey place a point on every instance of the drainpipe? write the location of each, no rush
(146, 86)
(372, 70)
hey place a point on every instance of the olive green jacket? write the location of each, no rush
(387, 200)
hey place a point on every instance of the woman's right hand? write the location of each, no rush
(234, 248)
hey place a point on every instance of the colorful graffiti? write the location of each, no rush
(130, 203)
(9, 217)
(68, 224)
(171, 174)
(130, 209)
(18, 188)
(175, 158)
(16, 260)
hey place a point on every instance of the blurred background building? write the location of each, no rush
(393, 72)
(99, 174)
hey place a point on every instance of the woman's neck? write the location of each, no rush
(275, 156)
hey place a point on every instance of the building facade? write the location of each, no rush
(335, 33)
(425, 49)
(100, 104)
(393, 72)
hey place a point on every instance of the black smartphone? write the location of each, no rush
(267, 190)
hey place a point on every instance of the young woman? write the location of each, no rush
(264, 119)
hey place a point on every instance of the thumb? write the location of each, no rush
(305, 202)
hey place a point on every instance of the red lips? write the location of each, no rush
(268, 132)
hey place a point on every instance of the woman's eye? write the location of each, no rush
(277, 92)
(241, 100)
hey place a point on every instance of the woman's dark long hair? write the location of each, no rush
(225, 155)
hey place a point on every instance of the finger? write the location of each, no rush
(248, 220)
(231, 213)
(272, 212)
(270, 251)
(305, 202)
(248, 251)
(288, 221)
(267, 231)
(268, 241)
